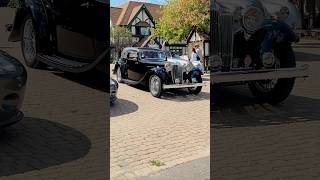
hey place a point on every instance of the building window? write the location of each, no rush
(142, 31)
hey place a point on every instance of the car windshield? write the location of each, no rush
(152, 54)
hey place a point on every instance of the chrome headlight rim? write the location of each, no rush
(188, 67)
(168, 66)
(250, 13)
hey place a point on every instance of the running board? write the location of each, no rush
(131, 82)
(71, 65)
(178, 86)
(244, 76)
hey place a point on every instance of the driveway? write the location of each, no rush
(172, 130)
(259, 141)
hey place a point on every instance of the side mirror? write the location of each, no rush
(133, 56)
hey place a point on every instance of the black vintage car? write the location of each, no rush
(251, 43)
(71, 35)
(152, 67)
(13, 77)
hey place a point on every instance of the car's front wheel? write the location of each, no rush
(155, 86)
(276, 90)
(196, 90)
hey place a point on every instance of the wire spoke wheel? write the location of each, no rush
(29, 42)
(155, 86)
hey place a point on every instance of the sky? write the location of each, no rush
(115, 3)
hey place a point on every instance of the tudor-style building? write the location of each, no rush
(139, 18)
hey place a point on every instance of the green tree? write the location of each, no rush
(121, 37)
(180, 16)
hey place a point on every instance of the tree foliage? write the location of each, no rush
(121, 37)
(180, 16)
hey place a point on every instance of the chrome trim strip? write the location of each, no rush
(254, 75)
(177, 86)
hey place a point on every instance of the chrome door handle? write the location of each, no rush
(87, 5)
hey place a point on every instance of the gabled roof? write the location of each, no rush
(115, 14)
(201, 33)
(123, 14)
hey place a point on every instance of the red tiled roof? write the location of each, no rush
(124, 13)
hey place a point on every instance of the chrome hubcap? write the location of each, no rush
(155, 85)
(29, 41)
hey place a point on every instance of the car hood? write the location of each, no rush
(232, 5)
(156, 62)
(180, 62)
(269, 7)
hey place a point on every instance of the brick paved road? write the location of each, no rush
(252, 141)
(64, 133)
(174, 130)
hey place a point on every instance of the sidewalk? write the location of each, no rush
(197, 169)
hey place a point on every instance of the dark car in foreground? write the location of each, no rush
(113, 90)
(13, 77)
(154, 69)
(69, 35)
(251, 43)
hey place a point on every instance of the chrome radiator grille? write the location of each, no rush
(222, 33)
(177, 74)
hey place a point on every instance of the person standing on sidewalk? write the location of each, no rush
(199, 53)
(194, 55)
(197, 59)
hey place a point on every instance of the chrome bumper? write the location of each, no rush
(178, 86)
(243, 76)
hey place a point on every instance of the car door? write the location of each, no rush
(135, 69)
(81, 28)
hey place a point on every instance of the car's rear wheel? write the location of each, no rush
(29, 43)
(155, 86)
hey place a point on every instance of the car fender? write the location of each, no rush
(277, 32)
(38, 11)
(159, 71)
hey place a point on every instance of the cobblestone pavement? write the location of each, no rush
(252, 141)
(173, 130)
(64, 133)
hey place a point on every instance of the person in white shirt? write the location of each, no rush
(197, 59)
(194, 55)
(199, 52)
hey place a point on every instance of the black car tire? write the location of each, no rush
(31, 60)
(119, 75)
(196, 90)
(155, 86)
(282, 87)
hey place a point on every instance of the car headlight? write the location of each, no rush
(188, 67)
(168, 67)
(283, 14)
(252, 19)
